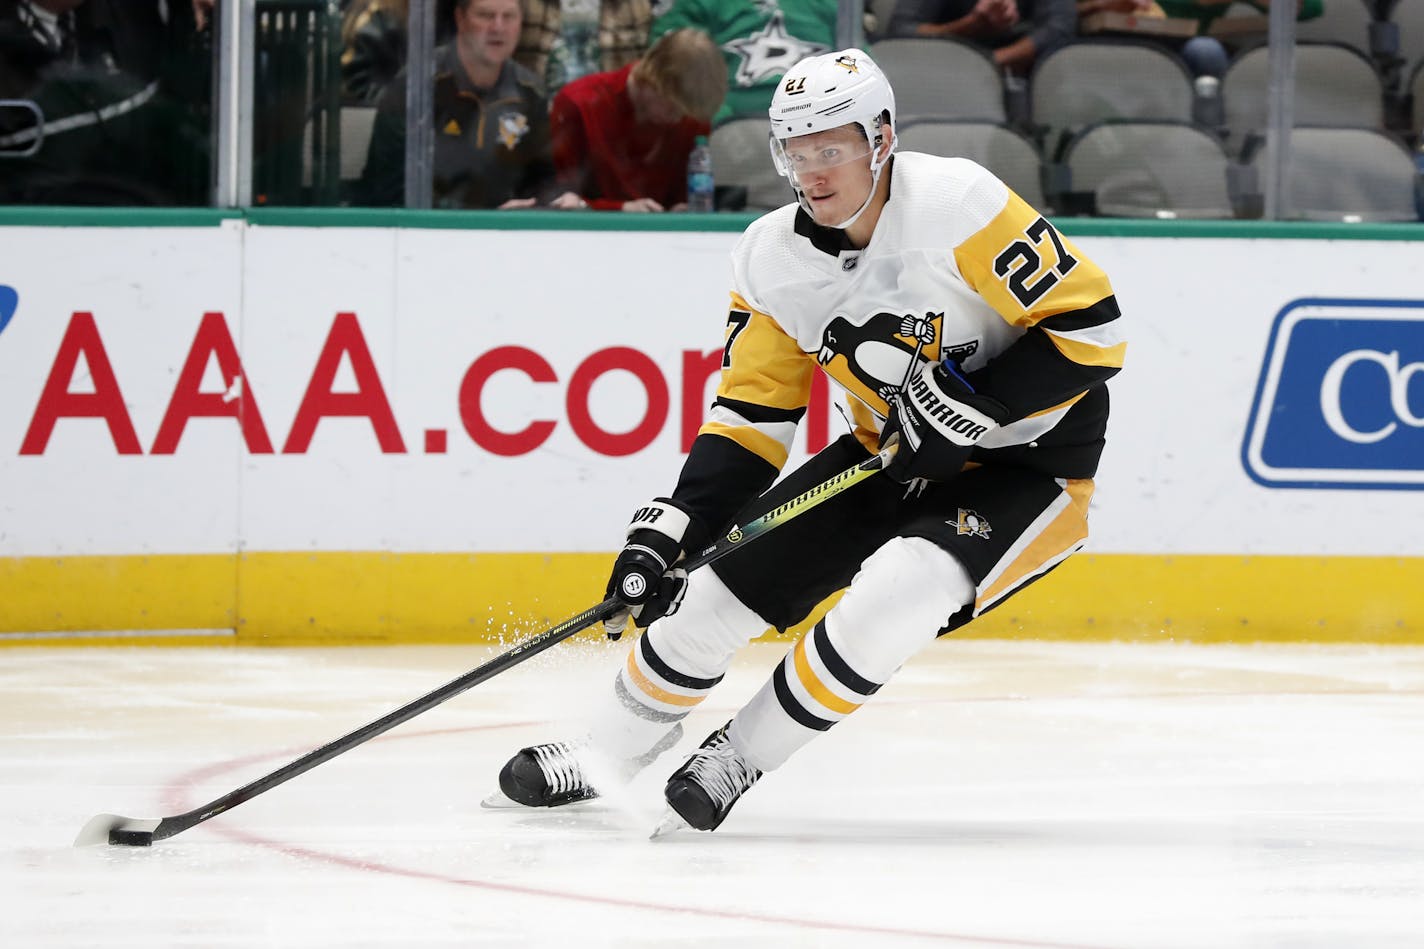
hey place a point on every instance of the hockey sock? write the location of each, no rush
(896, 605)
(673, 666)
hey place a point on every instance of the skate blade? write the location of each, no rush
(671, 823)
(499, 801)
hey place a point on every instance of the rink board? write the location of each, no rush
(237, 432)
(371, 598)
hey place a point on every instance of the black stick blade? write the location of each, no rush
(120, 831)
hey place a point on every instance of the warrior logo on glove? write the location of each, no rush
(937, 420)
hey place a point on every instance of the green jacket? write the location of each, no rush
(760, 40)
(1206, 13)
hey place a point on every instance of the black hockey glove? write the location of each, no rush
(644, 576)
(938, 418)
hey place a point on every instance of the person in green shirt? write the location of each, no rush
(1205, 55)
(760, 40)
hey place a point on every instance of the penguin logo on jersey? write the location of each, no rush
(877, 354)
(513, 126)
(971, 524)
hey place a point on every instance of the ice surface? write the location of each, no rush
(998, 794)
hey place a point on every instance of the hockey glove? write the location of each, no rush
(644, 576)
(938, 418)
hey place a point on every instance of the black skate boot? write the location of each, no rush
(704, 789)
(553, 774)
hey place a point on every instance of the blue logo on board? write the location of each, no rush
(9, 301)
(1340, 399)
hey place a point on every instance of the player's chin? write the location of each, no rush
(823, 209)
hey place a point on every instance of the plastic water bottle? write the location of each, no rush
(700, 183)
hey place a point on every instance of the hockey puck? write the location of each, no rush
(131, 838)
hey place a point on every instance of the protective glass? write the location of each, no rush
(811, 154)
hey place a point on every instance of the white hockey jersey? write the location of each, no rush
(958, 267)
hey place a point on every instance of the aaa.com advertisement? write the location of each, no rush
(237, 387)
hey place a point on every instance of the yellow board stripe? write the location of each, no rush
(814, 685)
(662, 695)
(370, 598)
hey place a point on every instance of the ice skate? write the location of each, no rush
(556, 773)
(701, 793)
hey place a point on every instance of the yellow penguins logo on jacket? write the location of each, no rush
(513, 126)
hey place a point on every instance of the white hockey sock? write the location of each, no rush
(897, 603)
(673, 666)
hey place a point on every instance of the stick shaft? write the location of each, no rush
(735, 539)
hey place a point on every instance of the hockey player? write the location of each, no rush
(963, 328)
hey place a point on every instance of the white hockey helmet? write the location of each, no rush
(825, 92)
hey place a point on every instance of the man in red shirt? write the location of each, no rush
(621, 138)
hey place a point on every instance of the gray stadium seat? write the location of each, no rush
(1150, 169)
(1347, 174)
(1416, 87)
(1003, 150)
(943, 78)
(881, 10)
(1334, 85)
(741, 156)
(1342, 21)
(1092, 81)
(1408, 15)
(357, 124)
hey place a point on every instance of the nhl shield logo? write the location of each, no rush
(513, 126)
(971, 524)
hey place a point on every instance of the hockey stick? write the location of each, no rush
(142, 832)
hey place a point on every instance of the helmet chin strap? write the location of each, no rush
(876, 168)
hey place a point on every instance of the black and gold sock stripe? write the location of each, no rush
(816, 686)
(649, 683)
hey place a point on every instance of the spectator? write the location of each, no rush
(102, 75)
(374, 36)
(1016, 31)
(564, 40)
(621, 139)
(373, 40)
(35, 36)
(760, 40)
(1205, 55)
(491, 123)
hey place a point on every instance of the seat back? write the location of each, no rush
(1092, 81)
(1347, 174)
(1334, 85)
(1008, 153)
(741, 157)
(1150, 169)
(1408, 15)
(1416, 89)
(355, 125)
(1341, 21)
(943, 78)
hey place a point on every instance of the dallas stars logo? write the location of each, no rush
(770, 52)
